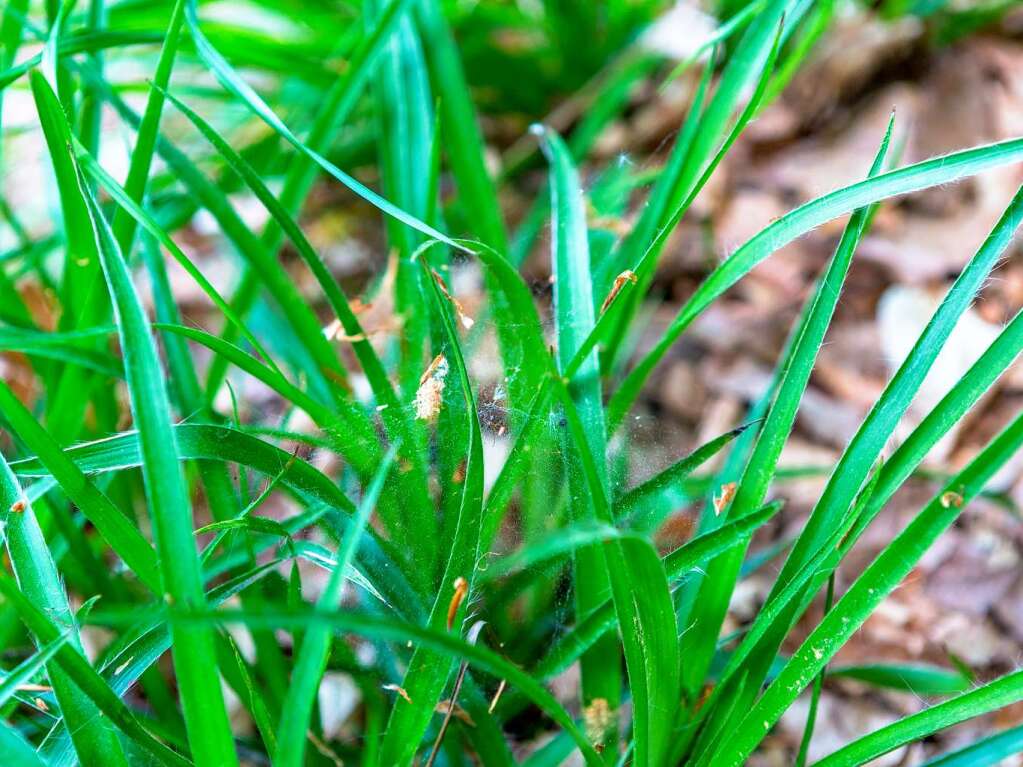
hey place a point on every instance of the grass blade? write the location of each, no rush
(427, 675)
(312, 657)
(983, 753)
(574, 318)
(989, 697)
(122, 536)
(867, 592)
(169, 504)
(230, 79)
(936, 171)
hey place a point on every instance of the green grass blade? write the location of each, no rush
(122, 536)
(919, 679)
(642, 602)
(86, 679)
(28, 668)
(556, 545)
(338, 301)
(18, 750)
(280, 286)
(83, 302)
(464, 144)
(989, 697)
(983, 753)
(666, 480)
(863, 450)
(312, 657)
(231, 81)
(716, 589)
(123, 224)
(574, 318)
(426, 675)
(679, 562)
(388, 629)
(701, 146)
(208, 442)
(966, 392)
(71, 348)
(867, 592)
(302, 171)
(169, 505)
(922, 175)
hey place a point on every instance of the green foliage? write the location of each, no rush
(352, 526)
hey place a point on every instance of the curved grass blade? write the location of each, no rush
(71, 348)
(312, 656)
(209, 731)
(933, 172)
(38, 581)
(554, 546)
(385, 565)
(437, 641)
(920, 679)
(966, 392)
(642, 602)
(124, 225)
(664, 481)
(29, 667)
(867, 592)
(989, 697)
(86, 679)
(711, 604)
(875, 430)
(574, 317)
(122, 536)
(701, 147)
(371, 364)
(82, 300)
(682, 560)
(427, 674)
(983, 753)
(232, 82)
(334, 110)
(281, 287)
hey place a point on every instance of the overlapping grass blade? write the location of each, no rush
(123, 224)
(716, 589)
(438, 641)
(122, 536)
(701, 144)
(332, 113)
(83, 301)
(643, 605)
(38, 581)
(386, 566)
(936, 171)
(28, 668)
(18, 750)
(867, 592)
(574, 318)
(427, 675)
(231, 81)
(919, 679)
(312, 657)
(78, 671)
(989, 697)
(680, 561)
(984, 752)
(169, 504)
(875, 430)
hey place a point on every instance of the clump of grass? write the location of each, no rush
(442, 595)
